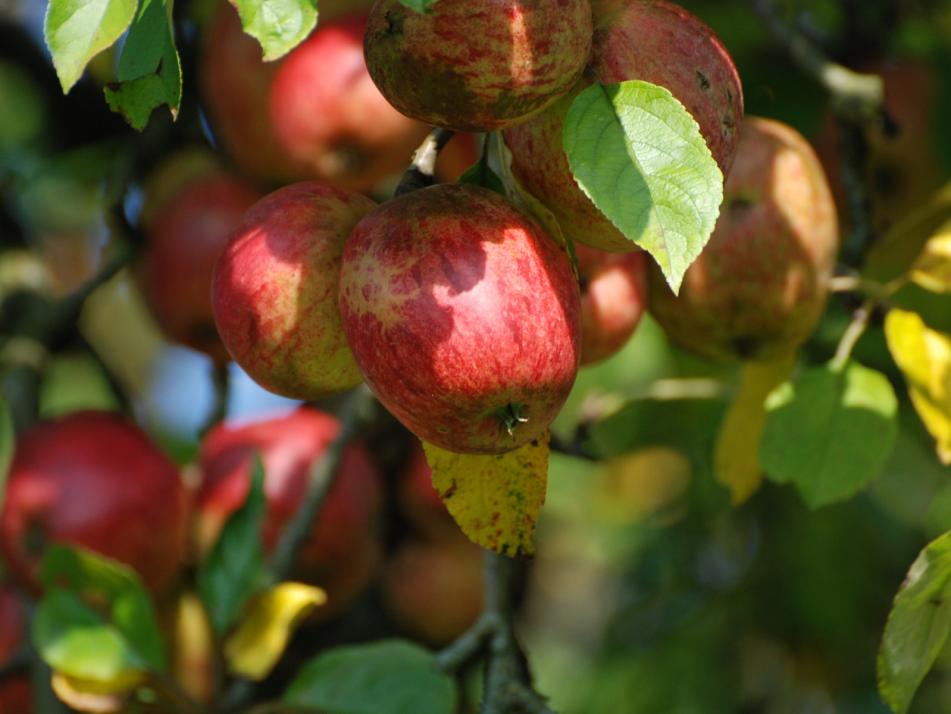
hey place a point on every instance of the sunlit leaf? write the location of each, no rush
(495, 499)
(736, 456)
(87, 696)
(924, 356)
(279, 25)
(638, 154)
(932, 269)
(385, 677)
(917, 627)
(267, 624)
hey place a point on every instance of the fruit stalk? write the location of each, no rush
(422, 171)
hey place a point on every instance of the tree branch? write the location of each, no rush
(422, 172)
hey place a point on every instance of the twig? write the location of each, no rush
(221, 381)
(422, 172)
(168, 689)
(852, 334)
(469, 644)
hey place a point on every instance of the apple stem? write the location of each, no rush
(422, 171)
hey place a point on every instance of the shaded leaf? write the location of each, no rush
(279, 25)
(481, 174)
(267, 624)
(78, 30)
(234, 570)
(829, 431)
(495, 499)
(924, 356)
(639, 156)
(918, 625)
(386, 677)
(419, 5)
(736, 456)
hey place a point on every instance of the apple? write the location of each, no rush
(463, 316)
(613, 299)
(331, 119)
(420, 502)
(342, 550)
(759, 288)
(94, 480)
(188, 233)
(656, 42)
(274, 290)
(432, 589)
(16, 694)
(477, 66)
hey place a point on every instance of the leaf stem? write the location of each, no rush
(852, 334)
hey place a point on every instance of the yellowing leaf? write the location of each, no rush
(924, 355)
(932, 270)
(647, 483)
(494, 499)
(193, 648)
(90, 697)
(736, 455)
(257, 644)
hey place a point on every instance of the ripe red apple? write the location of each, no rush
(433, 588)
(463, 316)
(656, 42)
(760, 285)
(274, 290)
(329, 116)
(16, 694)
(613, 299)
(477, 66)
(187, 234)
(94, 480)
(342, 549)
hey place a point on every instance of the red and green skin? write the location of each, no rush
(329, 116)
(274, 290)
(656, 42)
(96, 481)
(477, 66)
(342, 550)
(759, 288)
(188, 233)
(613, 300)
(462, 315)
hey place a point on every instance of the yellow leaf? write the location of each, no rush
(257, 644)
(924, 355)
(93, 697)
(494, 499)
(736, 454)
(193, 648)
(932, 269)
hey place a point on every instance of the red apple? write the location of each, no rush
(94, 480)
(16, 694)
(656, 42)
(477, 66)
(463, 316)
(613, 299)
(760, 285)
(329, 116)
(420, 502)
(274, 290)
(188, 233)
(342, 549)
(433, 589)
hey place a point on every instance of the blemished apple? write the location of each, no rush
(759, 288)
(94, 480)
(331, 119)
(274, 290)
(477, 66)
(613, 300)
(342, 549)
(463, 316)
(16, 693)
(433, 588)
(187, 234)
(656, 42)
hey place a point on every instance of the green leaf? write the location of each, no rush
(78, 30)
(481, 174)
(279, 25)
(7, 445)
(234, 570)
(149, 73)
(918, 625)
(387, 677)
(830, 431)
(95, 621)
(419, 5)
(639, 155)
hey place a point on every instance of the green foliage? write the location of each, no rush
(234, 570)
(419, 5)
(77, 30)
(481, 174)
(149, 73)
(918, 625)
(640, 157)
(279, 25)
(385, 677)
(95, 621)
(7, 444)
(829, 431)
